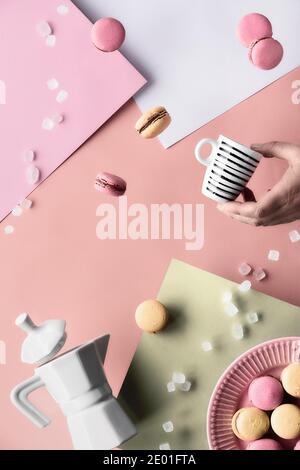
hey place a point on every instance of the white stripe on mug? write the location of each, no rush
(223, 186)
(243, 167)
(224, 164)
(223, 173)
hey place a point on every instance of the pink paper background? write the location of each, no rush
(98, 85)
(54, 266)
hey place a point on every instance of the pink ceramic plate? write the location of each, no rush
(230, 393)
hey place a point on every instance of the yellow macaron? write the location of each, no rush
(153, 122)
(249, 424)
(290, 378)
(285, 421)
(151, 316)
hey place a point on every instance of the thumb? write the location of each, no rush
(282, 150)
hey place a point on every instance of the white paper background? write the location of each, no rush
(188, 51)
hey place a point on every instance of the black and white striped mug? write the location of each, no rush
(230, 165)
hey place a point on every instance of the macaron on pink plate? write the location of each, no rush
(231, 391)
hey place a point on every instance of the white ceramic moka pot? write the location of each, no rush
(77, 382)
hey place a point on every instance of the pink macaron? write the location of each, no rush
(110, 184)
(264, 444)
(297, 446)
(265, 393)
(253, 27)
(108, 34)
(255, 32)
(266, 53)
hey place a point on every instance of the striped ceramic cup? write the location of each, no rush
(230, 165)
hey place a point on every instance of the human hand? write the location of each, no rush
(281, 204)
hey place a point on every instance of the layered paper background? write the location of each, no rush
(53, 265)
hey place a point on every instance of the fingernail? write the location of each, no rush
(256, 146)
